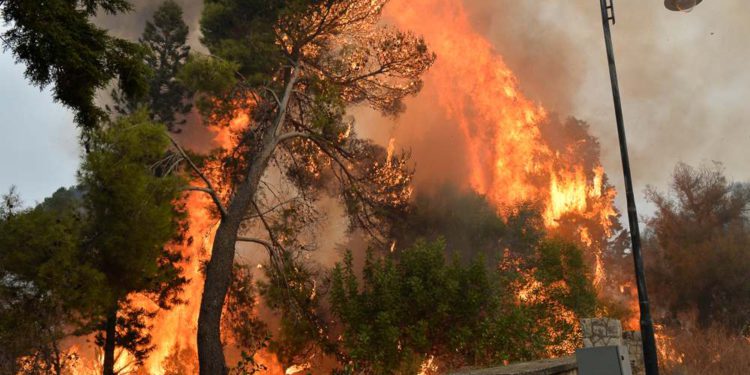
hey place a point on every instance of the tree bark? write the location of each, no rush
(108, 367)
(219, 268)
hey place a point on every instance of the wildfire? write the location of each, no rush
(175, 330)
(665, 346)
(510, 161)
(428, 366)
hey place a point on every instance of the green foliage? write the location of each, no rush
(291, 290)
(554, 284)
(212, 77)
(243, 32)
(45, 288)
(416, 304)
(133, 209)
(76, 257)
(556, 261)
(42, 246)
(60, 46)
(165, 41)
(697, 248)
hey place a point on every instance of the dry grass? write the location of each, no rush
(703, 352)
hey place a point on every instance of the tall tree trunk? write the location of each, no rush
(219, 268)
(109, 342)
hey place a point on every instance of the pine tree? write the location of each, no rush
(74, 262)
(61, 47)
(132, 217)
(165, 39)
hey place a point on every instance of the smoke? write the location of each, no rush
(683, 77)
(683, 81)
(130, 25)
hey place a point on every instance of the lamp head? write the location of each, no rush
(681, 5)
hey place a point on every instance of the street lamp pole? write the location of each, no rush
(647, 326)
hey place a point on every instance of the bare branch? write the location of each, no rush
(276, 97)
(285, 100)
(210, 189)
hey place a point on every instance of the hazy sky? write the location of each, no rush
(38, 146)
(684, 78)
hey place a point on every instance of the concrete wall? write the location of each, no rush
(608, 332)
(554, 366)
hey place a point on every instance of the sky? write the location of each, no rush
(684, 82)
(39, 146)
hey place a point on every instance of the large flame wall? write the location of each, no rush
(503, 142)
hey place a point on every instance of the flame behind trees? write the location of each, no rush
(87, 253)
(515, 150)
(294, 67)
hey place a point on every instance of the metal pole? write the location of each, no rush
(647, 327)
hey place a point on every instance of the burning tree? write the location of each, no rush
(295, 66)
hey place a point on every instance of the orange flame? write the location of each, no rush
(510, 160)
(175, 330)
(508, 156)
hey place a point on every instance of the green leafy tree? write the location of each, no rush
(165, 39)
(81, 255)
(294, 67)
(60, 46)
(46, 291)
(698, 248)
(133, 216)
(413, 304)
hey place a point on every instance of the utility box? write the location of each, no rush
(603, 360)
